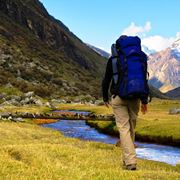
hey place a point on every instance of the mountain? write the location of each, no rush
(176, 49)
(147, 50)
(164, 68)
(157, 93)
(99, 51)
(39, 53)
(175, 93)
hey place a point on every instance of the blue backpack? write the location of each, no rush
(129, 65)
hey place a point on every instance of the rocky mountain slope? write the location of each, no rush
(164, 68)
(147, 50)
(100, 51)
(157, 93)
(175, 93)
(176, 49)
(39, 53)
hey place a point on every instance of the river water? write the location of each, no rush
(79, 129)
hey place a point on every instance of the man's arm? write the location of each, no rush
(106, 82)
(144, 102)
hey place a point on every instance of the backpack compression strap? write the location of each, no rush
(114, 68)
(114, 59)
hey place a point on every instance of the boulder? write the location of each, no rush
(6, 103)
(174, 111)
(14, 102)
(2, 95)
(38, 102)
(99, 103)
(29, 94)
(50, 105)
(18, 119)
(9, 85)
(25, 101)
(16, 98)
(5, 114)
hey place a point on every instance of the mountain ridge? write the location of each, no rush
(36, 49)
(175, 93)
(99, 51)
(164, 69)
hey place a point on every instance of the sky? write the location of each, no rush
(101, 22)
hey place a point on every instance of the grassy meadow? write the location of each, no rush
(28, 151)
(27, 108)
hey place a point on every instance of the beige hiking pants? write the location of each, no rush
(126, 112)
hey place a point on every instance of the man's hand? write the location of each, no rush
(106, 104)
(144, 108)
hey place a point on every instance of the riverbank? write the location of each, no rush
(29, 151)
(157, 126)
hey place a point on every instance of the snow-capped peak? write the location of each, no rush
(176, 45)
(176, 49)
(147, 50)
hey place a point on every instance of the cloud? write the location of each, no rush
(177, 35)
(134, 30)
(158, 42)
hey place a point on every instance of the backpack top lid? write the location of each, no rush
(129, 45)
(125, 41)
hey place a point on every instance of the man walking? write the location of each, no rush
(126, 72)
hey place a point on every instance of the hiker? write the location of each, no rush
(126, 71)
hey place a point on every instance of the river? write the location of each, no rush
(79, 129)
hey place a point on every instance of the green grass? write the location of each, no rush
(10, 90)
(82, 107)
(28, 151)
(26, 108)
(156, 126)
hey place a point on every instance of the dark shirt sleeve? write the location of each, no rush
(144, 100)
(107, 80)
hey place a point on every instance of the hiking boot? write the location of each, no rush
(131, 167)
(118, 143)
(135, 145)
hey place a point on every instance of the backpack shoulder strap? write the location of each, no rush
(114, 60)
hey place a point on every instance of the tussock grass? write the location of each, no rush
(10, 90)
(44, 121)
(158, 123)
(25, 108)
(83, 107)
(28, 151)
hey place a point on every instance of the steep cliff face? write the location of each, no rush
(164, 69)
(36, 49)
